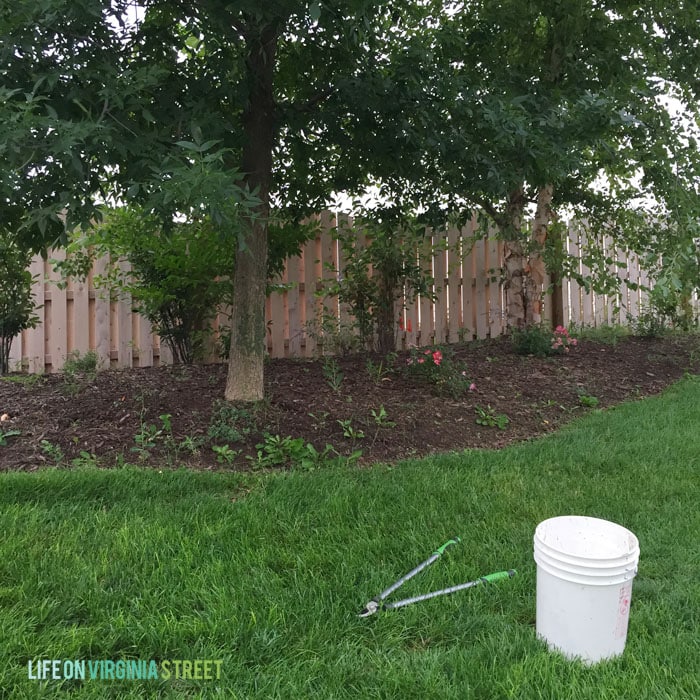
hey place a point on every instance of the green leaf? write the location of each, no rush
(315, 11)
(189, 146)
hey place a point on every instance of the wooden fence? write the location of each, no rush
(469, 304)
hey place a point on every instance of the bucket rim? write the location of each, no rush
(581, 521)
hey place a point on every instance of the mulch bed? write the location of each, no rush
(102, 415)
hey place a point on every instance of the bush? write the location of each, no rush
(541, 341)
(376, 276)
(16, 303)
(436, 366)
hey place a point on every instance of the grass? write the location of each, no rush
(267, 573)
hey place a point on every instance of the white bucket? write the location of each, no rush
(585, 568)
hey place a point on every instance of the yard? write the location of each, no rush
(265, 570)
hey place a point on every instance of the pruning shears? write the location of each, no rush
(377, 604)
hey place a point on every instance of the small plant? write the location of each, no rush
(190, 444)
(333, 374)
(76, 365)
(4, 434)
(224, 454)
(540, 341)
(230, 424)
(437, 367)
(381, 419)
(320, 420)
(377, 372)
(349, 431)
(561, 341)
(53, 452)
(486, 416)
(150, 435)
(650, 324)
(588, 401)
(84, 460)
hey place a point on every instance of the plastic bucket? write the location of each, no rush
(585, 568)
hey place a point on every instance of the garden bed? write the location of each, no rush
(174, 416)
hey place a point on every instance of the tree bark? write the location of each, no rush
(514, 259)
(245, 380)
(535, 271)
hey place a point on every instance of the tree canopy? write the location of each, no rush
(255, 113)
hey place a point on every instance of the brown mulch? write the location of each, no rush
(102, 415)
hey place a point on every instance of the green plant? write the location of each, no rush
(79, 370)
(179, 273)
(381, 419)
(532, 340)
(650, 323)
(487, 417)
(84, 460)
(349, 431)
(377, 371)
(276, 451)
(150, 435)
(378, 273)
(588, 401)
(224, 454)
(436, 366)
(229, 423)
(190, 444)
(541, 341)
(53, 452)
(332, 374)
(16, 303)
(4, 434)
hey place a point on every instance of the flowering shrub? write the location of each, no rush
(437, 367)
(562, 341)
(541, 341)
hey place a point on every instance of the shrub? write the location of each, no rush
(436, 366)
(16, 303)
(541, 341)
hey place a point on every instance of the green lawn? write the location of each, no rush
(267, 573)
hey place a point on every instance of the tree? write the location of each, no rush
(100, 105)
(16, 302)
(534, 105)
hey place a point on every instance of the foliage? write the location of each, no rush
(16, 303)
(4, 434)
(541, 341)
(487, 417)
(230, 424)
(649, 323)
(377, 274)
(176, 276)
(276, 451)
(224, 454)
(588, 401)
(78, 368)
(437, 367)
(332, 374)
(151, 436)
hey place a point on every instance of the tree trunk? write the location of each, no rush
(245, 380)
(514, 259)
(535, 269)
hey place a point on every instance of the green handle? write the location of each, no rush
(498, 576)
(441, 550)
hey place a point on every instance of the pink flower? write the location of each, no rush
(421, 360)
(437, 357)
(472, 387)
